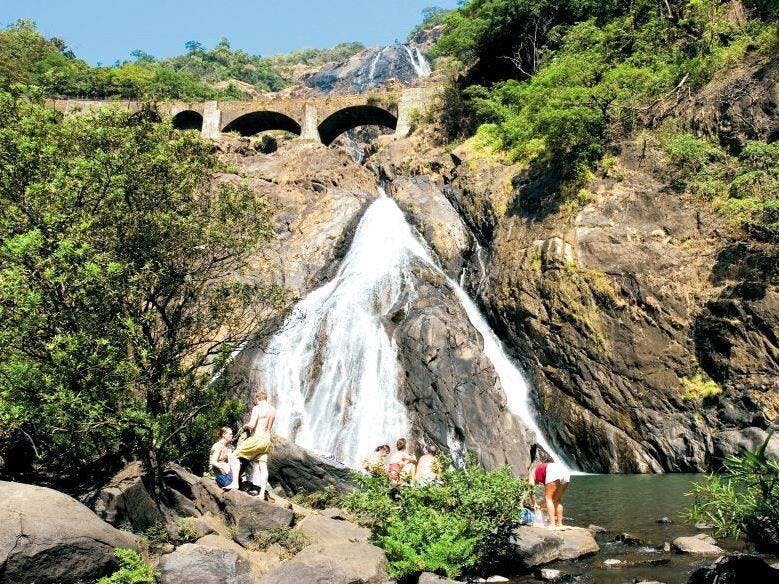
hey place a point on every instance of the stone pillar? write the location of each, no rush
(309, 128)
(413, 101)
(212, 121)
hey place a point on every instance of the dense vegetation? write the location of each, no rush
(557, 83)
(222, 64)
(117, 291)
(314, 57)
(431, 17)
(449, 528)
(744, 500)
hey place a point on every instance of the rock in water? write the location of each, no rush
(735, 569)
(204, 565)
(341, 563)
(48, 537)
(428, 578)
(697, 544)
(535, 546)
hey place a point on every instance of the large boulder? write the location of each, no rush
(340, 563)
(126, 501)
(248, 516)
(535, 546)
(577, 542)
(700, 544)
(320, 529)
(204, 565)
(48, 537)
(261, 562)
(735, 569)
(299, 470)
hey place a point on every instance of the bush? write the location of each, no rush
(744, 500)
(444, 528)
(132, 570)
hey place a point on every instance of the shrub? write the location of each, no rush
(132, 569)
(445, 527)
(186, 532)
(744, 500)
(698, 387)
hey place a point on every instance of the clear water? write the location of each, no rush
(332, 370)
(633, 504)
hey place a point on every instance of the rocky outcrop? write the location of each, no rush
(204, 565)
(339, 563)
(125, 500)
(48, 537)
(735, 568)
(321, 530)
(298, 470)
(370, 69)
(450, 388)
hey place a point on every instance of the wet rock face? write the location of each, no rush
(450, 388)
(369, 69)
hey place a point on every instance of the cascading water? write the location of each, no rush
(374, 63)
(332, 368)
(418, 61)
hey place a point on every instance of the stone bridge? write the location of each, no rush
(320, 118)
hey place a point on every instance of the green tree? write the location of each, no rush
(120, 293)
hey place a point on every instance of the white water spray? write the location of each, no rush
(332, 369)
(374, 62)
(418, 61)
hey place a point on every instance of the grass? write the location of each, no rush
(290, 540)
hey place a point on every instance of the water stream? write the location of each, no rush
(332, 369)
(418, 61)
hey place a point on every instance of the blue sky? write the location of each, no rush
(107, 30)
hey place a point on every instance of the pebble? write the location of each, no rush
(664, 521)
(666, 547)
(596, 528)
(612, 562)
(703, 525)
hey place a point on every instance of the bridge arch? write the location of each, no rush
(188, 120)
(260, 121)
(353, 117)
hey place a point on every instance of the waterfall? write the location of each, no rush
(332, 370)
(374, 62)
(418, 61)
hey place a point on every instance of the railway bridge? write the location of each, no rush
(319, 118)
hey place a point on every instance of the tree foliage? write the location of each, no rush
(744, 500)
(119, 286)
(448, 527)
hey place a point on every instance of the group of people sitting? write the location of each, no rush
(402, 467)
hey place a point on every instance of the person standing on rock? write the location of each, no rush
(255, 448)
(555, 478)
(224, 464)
